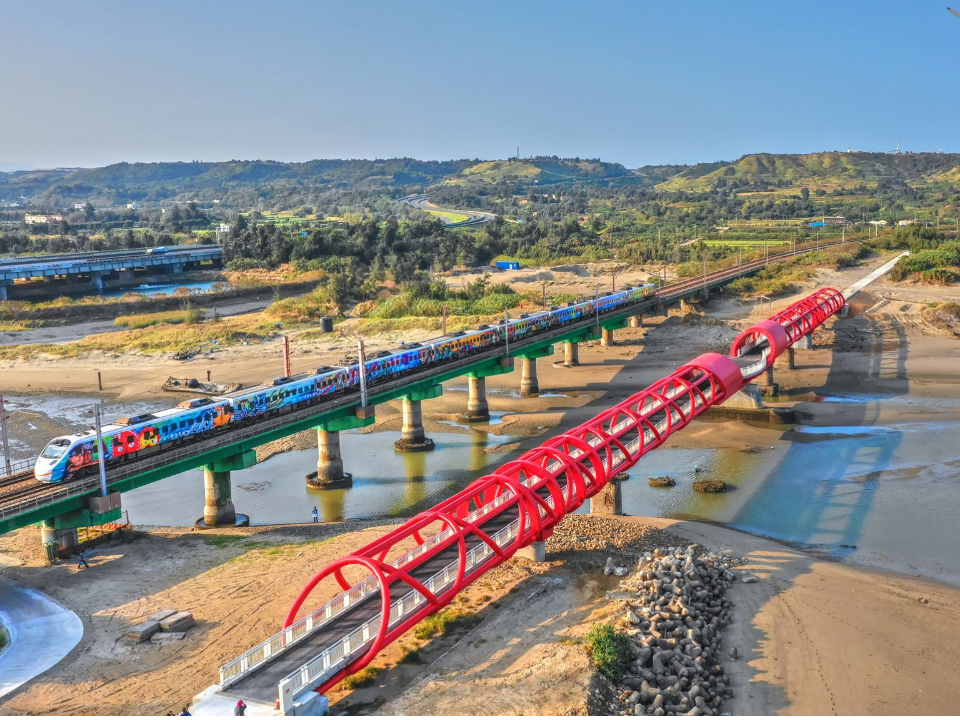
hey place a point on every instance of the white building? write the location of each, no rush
(79, 206)
(133, 206)
(42, 219)
(903, 223)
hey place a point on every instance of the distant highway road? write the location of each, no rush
(422, 202)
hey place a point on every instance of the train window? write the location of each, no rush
(55, 449)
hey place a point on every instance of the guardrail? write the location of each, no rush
(16, 467)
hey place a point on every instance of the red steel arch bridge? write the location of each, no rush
(418, 568)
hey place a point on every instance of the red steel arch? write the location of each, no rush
(546, 483)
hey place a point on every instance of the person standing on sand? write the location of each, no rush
(82, 560)
(315, 513)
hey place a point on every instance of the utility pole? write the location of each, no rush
(544, 289)
(362, 361)
(506, 331)
(596, 302)
(6, 440)
(101, 452)
(704, 256)
(444, 321)
(613, 280)
(286, 356)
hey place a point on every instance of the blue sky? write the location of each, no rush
(93, 82)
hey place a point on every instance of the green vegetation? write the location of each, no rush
(412, 657)
(362, 679)
(611, 652)
(443, 622)
(450, 217)
(187, 316)
(425, 299)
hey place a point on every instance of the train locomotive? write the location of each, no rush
(72, 457)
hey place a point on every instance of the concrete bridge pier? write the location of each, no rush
(805, 343)
(218, 506)
(635, 321)
(96, 281)
(606, 337)
(330, 472)
(66, 538)
(412, 435)
(529, 384)
(769, 387)
(3, 289)
(609, 501)
(477, 408)
(571, 353)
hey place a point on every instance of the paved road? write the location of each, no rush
(422, 202)
(42, 632)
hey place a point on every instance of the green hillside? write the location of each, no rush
(826, 170)
(543, 170)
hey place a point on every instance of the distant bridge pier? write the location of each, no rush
(96, 281)
(218, 509)
(413, 438)
(329, 462)
(477, 408)
(805, 343)
(571, 353)
(529, 384)
(3, 289)
(635, 321)
(606, 337)
(330, 472)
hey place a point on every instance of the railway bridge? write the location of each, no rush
(25, 277)
(61, 508)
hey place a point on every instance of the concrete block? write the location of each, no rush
(162, 615)
(143, 631)
(162, 638)
(310, 704)
(178, 622)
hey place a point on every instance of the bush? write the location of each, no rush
(611, 652)
(364, 678)
(188, 316)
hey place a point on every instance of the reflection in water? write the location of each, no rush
(385, 482)
(892, 492)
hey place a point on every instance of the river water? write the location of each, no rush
(151, 289)
(386, 483)
(886, 494)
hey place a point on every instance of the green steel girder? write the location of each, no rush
(536, 352)
(84, 518)
(346, 422)
(427, 393)
(617, 324)
(505, 366)
(240, 461)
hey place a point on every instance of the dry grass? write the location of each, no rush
(189, 316)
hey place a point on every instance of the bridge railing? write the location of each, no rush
(16, 467)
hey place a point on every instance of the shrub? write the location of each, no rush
(611, 652)
(362, 679)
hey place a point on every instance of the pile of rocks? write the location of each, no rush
(580, 533)
(674, 617)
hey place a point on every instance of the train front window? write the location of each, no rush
(55, 449)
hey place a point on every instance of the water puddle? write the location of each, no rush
(512, 393)
(385, 483)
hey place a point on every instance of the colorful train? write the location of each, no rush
(74, 456)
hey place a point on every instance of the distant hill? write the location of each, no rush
(244, 183)
(128, 182)
(542, 170)
(826, 170)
